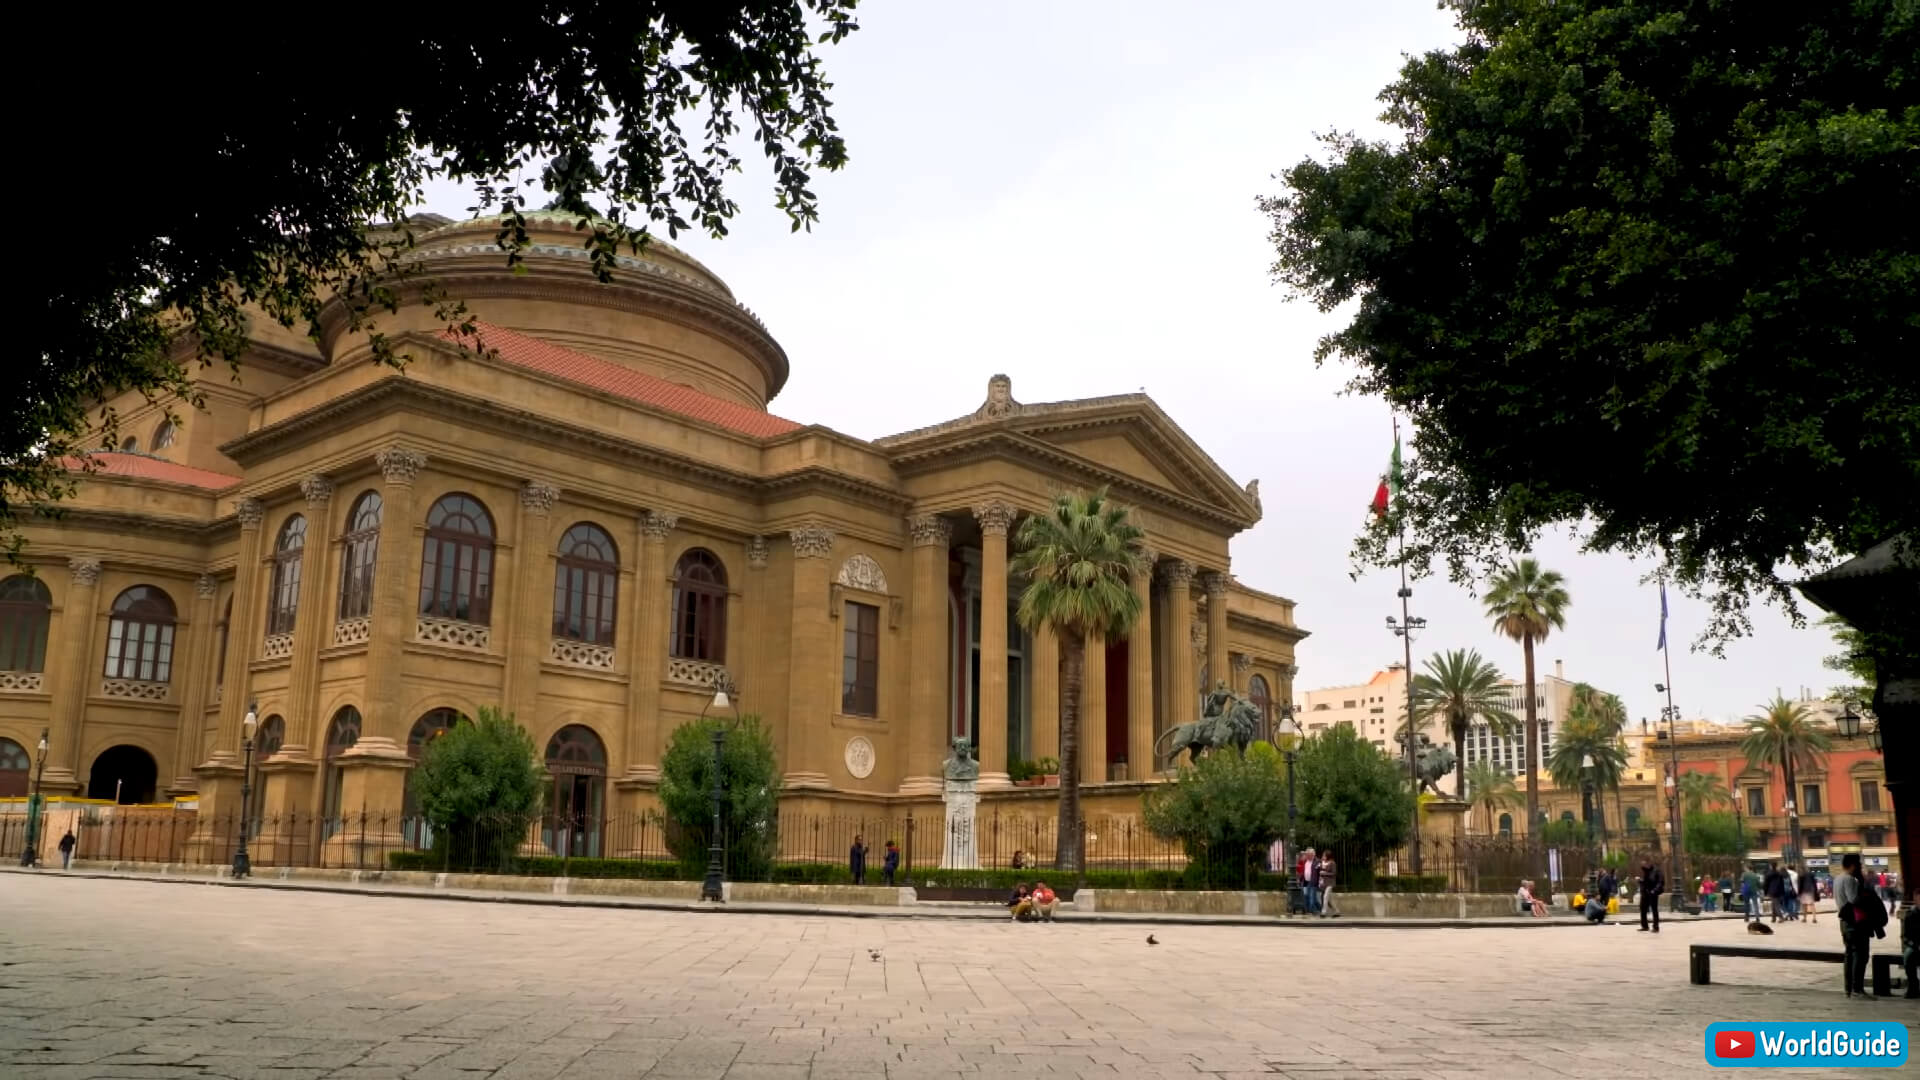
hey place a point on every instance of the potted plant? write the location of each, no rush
(1048, 770)
(1021, 772)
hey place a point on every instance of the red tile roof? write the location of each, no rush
(578, 367)
(140, 466)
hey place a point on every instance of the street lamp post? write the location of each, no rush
(1404, 630)
(30, 855)
(1670, 716)
(1290, 729)
(713, 889)
(1792, 853)
(1586, 803)
(242, 866)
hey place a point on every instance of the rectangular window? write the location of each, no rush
(1756, 802)
(1874, 837)
(1810, 799)
(860, 661)
(1869, 795)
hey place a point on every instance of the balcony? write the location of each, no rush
(581, 654)
(472, 637)
(22, 682)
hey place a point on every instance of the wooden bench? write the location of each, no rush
(1699, 962)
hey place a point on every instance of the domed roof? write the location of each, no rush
(560, 234)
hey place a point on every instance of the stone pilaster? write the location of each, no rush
(78, 612)
(649, 649)
(1046, 694)
(1242, 665)
(243, 637)
(749, 665)
(313, 623)
(1093, 712)
(814, 680)
(995, 518)
(195, 678)
(533, 598)
(1140, 733)
(1183, 699)
(396, 605)
(1218, 667)
(925, 732)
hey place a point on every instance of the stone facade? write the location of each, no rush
(585, 515)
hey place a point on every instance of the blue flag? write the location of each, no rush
(1663, 619)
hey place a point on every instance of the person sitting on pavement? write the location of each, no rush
(1596, 909)
(1044, 901)
(1529, 902)
(1020, 904)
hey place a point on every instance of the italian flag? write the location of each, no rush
(1389, 488)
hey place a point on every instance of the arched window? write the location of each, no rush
(26, 609)
(15, 769)
(1506, 824)
(456, 570)
(163, 436)
(266, 742)
(585, 585)
(577, 761)
(1262, 699)
(342, 734)
(285, 597)
(140, 636)
(1633, 818)
(129, 445)
(700, 607)
(360, 548)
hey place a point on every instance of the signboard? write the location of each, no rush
(1553, 864)
(1842, 849)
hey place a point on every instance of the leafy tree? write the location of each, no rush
(1702, 789)
(1607, 712)
(1564, 833)
(1351, 796)
(1225, 808)
(1712, 833)
(1637, 267)
(1527, 603)
(1782, 736)
(1582, 738)
(1459, 687)
(1491, 789)
(749, 803)
(478, 784)
(1079, 562)
(1855, 658)
(260, 207)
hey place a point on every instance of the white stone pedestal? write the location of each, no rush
(961, 851)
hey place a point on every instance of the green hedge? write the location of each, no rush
(1185, 880)
(636, 869)
(1410, 883)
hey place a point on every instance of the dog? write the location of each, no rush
(1759, 928)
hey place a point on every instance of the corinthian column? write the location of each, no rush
(1093, 712)
(1046, 695)
(649, 644)
(995, 519)
(814, 675)
(313, 622)
(926, 725)
(1218, 671)
(395, 606)
(196, 676)
(243, 642)
(533, 598)
(1140, 732)
(75, 674)
(1183, 701)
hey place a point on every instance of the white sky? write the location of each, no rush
(1064, 192)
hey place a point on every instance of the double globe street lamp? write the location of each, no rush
(1289, 730)
(713, 889)
(242, 866)
(30, 855)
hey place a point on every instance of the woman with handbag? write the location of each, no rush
(1862, 918)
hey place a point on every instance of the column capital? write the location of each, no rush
(1198, 632)
(1215, 582)
(1177, 572)
(1241, 663)
(400, 465)
(930, 530)
(318, 489)
(995, 517)
(811, 541)
(250, 511)
(85, 571)
(537, 498)
(757, 552)
(207, 585)
(656, 524)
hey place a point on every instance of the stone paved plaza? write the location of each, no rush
(105, 978)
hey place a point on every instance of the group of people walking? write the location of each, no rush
(1318, 874)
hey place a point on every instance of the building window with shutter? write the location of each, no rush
(1869, 795)
(860, 662)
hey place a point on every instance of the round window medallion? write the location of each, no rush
(860, 757)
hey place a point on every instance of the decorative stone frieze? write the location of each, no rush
(537, 498)
(277, 647)
(860, 571)
(698, 673)
(207, 586)
(399, 465)
(582, 654)
(21, 682)
(85, 571)
(930, 530)
(995, 517)
(352, 631)
(757, 551)
(1242, 663)
(135, 689)
(451, 632)
(811, 541)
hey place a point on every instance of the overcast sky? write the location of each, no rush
(1064, 192)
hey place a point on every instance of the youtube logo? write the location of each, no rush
(1733, 1044)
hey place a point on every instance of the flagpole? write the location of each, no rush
(1406, 620)
(1678, 886)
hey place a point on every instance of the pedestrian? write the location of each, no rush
(857, 860)
(1652, 884)
(1325, 879)
(1309, 864)
(1862, 918)
(1910, 942)
(1790, 892)
(1770, 888)
(1810, 895)
(1750, 894)
(1706, 895)
(890, 864)
(66, 850)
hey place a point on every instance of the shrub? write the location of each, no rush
(1352, 797)
(479, 787)
(750, 805)
(1225, 810)
(1409, 883)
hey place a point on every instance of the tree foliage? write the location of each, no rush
(1855, 659)
(1526, 603)
(256, 184)
(1350, 794)
(1079, 562)
(1712, 832)
(1702, 790)
(1491, 789)
(1461, 687)
(749, 802)
(480, 787)
(1641, 268)
(1225, 807)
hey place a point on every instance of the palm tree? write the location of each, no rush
(1078, 561)
(1583, 737)
(1526, 603)
(1490, 787)
(1783, 735)
(1702, 789)
(1610, 714)
(1459, 686)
